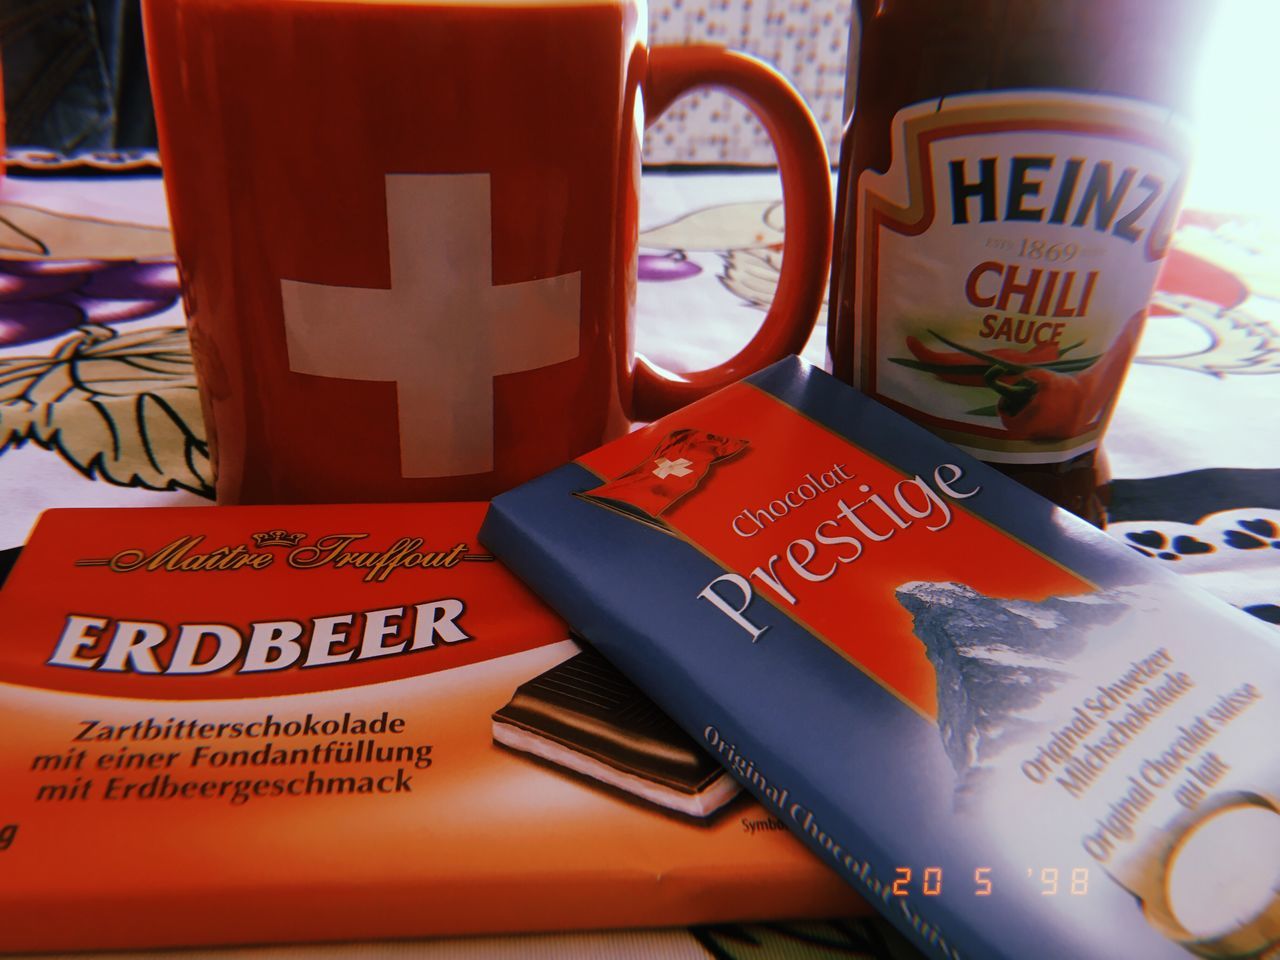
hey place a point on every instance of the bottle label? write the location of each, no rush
(1005, 261)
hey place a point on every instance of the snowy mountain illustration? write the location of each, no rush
(996, 660)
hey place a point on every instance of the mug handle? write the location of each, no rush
(806, 197)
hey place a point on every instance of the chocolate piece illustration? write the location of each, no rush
(583, 715)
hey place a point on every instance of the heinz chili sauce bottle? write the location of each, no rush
(1008, 187)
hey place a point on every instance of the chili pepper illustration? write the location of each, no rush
(959, 368)
(1102, 383)
(1044, 395)
(1041, 405)
(1050, 405)
(967, 367)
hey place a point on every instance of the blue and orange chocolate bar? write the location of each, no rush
(1015, 736)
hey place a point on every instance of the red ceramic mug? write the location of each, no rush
(408, 234)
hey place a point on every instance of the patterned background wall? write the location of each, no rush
(807, 40)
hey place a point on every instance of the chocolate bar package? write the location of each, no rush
(1014, 736)
(257, 724)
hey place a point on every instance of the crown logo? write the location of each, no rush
(277, 538)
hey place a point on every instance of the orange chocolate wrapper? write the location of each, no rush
(264, 724)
